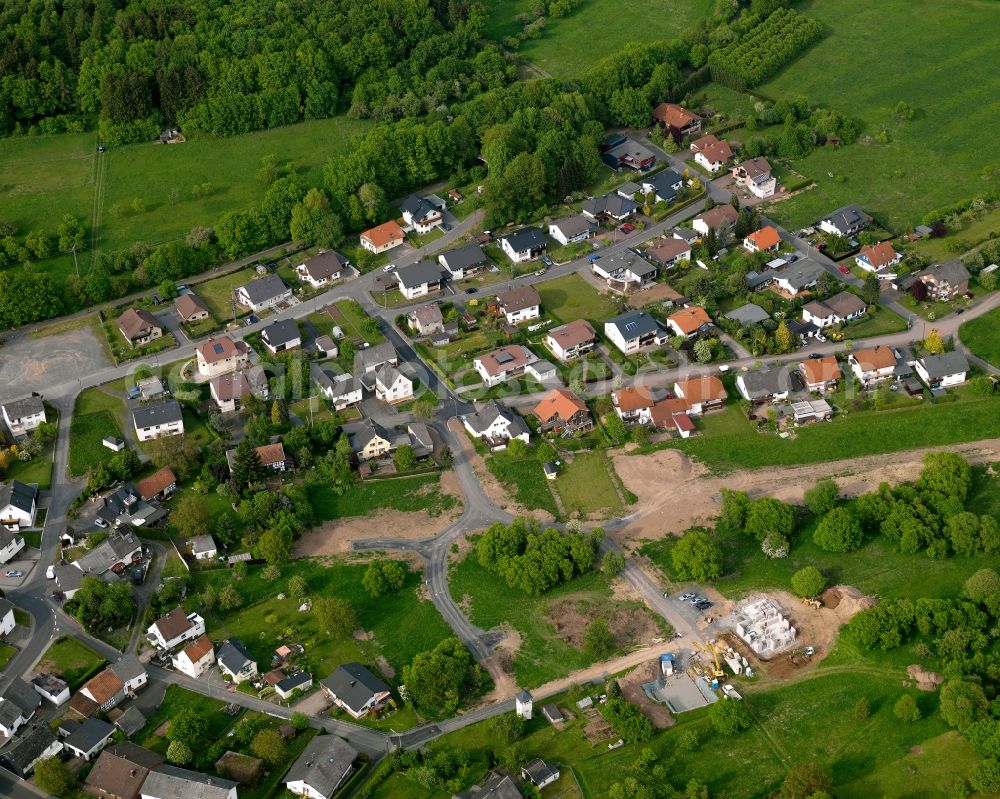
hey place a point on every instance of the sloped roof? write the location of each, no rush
(749, 314)
(135, 320)
(174, 624)
(874, 358)
(463, 258)
(517, 299)
(156, 413)
(879, 255)
(559, 402)
(820, 370)
(765, 238)
(572, 334)
(721, 215)
(24, 407)
(324, 764)
(219, 348)
(21, 495)
(529, 238)
(760, 383)
(674, 115)
(572, 225)
(634, 324)
(505, 359)
(171, 782)
(690, 319)
(325, 265)
(189, 304)
(265, 288)
(667, 249)
(354, 685)
(945, 364)
(706, 388)
(155, 483)
(281, 331)
(633, 398)
(416, 275)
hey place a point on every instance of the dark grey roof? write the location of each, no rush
(354, 685)
(848, 218)
(326, 264)
(529, 238)
(844, 303)
(749, 314)
(463, 258)
(416, 275)
(495, 786)
(634, 324)
(370, 357)
(131, 720)
(324, 764)
(762, 383)
(135, 754)
(627, 260)
(417, 207)
(684, 233)
(281, 331)
(610, 204)
(573, 225)
(487, 415)
(5, 607)
(233, 656)
(20, 408)
(369, 429)
(89, 734)
(296, 680)
(163, 412)
(107, 553)
(757, 279)
(20, 495)
(951, 272)
(538, 771)
(27, 748)
(663, 183)
(128, 667)
(10, 714)
(68, 578)
(798, 275)
(339, 385)
(265, 288)
(23, 695)
(945, 364)
(170, 782)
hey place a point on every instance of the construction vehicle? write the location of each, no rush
(713, 653)
(812, 602)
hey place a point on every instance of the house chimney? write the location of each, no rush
(132, 773)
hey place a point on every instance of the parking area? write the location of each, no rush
(18, 570)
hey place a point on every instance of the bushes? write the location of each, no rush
(838, 531)
(627, 720)
(696, 557)
(730, 716)
(808, 582)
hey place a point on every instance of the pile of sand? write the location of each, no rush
(925, 680)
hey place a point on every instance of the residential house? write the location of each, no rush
(563, 411)
(172, 630)
(496, 425)
(684, 234)
(873, 365)
(702, 394)
(6, 617)
(124, 509)
(691, 321)
(300, 681)
(668, 252)
(196, 658)
(68, 579)
(820, 374)
(354, 689)
(282, 335)
(503, 364)
(764, 385)
(263, 293)
(118, 773)
(720, 218)
(271, 456)
(571, 229)
(18, 704)
(323, 269)
(796, 278)
(159, 485)
(382, 238)
(876, 257)
(846, 221)
(130, 720)
(748, 314)
(633, 405)
(677, 120)
(524, 244)
(628, 190)
(229, 391)
(21, 754)
(539, 773)
(220, 354)
(419, 279)
(711, 152)
(23, 415)
(324, 766)
(941, 371)
(203, 547)
(519, 304)
(423, 214)
(634, 330)
(341, 390)
(191, 308)
(115, 552)
(50, 687)
(371, 441)
(612, 207)
(766, 239)
(625, 271)
(621, 152)
(571, 340)
(464, 261)
(89, 738)
(110, 687)
(171, 782)
(945, 281)
(496, 786)
(841, 307)
(391, 385)
(139, 326)
(159, 419)
(234, 662)
(664, 186)
(18, 506)
(425, 320)
(150, 388)
(755, 176)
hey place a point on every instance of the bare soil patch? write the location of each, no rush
(629, 626)
(657, 293)
(631, 685)
(363, 635)
(335, 537)
(383, 666)
(925, 680)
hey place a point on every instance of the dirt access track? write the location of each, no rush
(675, 492)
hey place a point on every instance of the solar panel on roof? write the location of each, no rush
(505, 357)
(217, 348)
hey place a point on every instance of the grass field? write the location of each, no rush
(571, 297)
(877, 323)
(38, 469)
(218, 293)
(95, 416)
(402, 623)
(72, 660)
(980, 335)
(728, 442)
(174, 701)
(6, 653)
(525, 480)
(585, 486)
(418, 493)
(900, 181)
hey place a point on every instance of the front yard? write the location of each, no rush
(218, 293)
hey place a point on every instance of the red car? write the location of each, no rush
(844, 270)
(627, 228)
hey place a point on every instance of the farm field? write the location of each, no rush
(980, 335)
(571, 297)
(900, 181)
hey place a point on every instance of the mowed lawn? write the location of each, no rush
(585, 486)
(218, 293)
(525, 480)
(982, 335)
(918, 57)
(420, 493)
(571, 297)
(72, 660)
(96, 416)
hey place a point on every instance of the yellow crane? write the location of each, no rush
(713, 653)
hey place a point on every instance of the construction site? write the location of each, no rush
(762, 625)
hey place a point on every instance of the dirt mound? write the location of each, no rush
(384, 666)
(925, 680)
(629, 626)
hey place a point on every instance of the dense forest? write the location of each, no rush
(222, 67)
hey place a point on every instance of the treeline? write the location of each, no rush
(534, 561)
(228, 67)
(766, 48)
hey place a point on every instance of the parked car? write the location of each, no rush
(684, 597)
(50, 573)
(253, 319)
(547, 261)
(821, 337)
(388, 267)
(703, 605)
(13, 573)
(133, 393)
(594, 258)
(816, 355)
(470, 291)
(100, 522)
(627, 228)
(844, 270)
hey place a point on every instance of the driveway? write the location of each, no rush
(28, 364)
(20, 564)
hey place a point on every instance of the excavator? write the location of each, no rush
(713, 653)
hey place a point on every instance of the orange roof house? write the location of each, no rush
(701, 393)
(632, 398)
(688, 321)
(767, 238)
(677, 119)
(563, 410)
(384, 237)
(820, 373)
(875, 257)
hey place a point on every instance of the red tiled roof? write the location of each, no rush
(880, 254)
(765, 238)
(271, 454)
(821, 370)
(688, 320)
(155, 483)
(386, 233)
(559, 402)
(674, 115)
(198, 648)
(701, 389)
(875, 358)
(633, 398)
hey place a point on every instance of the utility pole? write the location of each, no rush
(76, 262)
